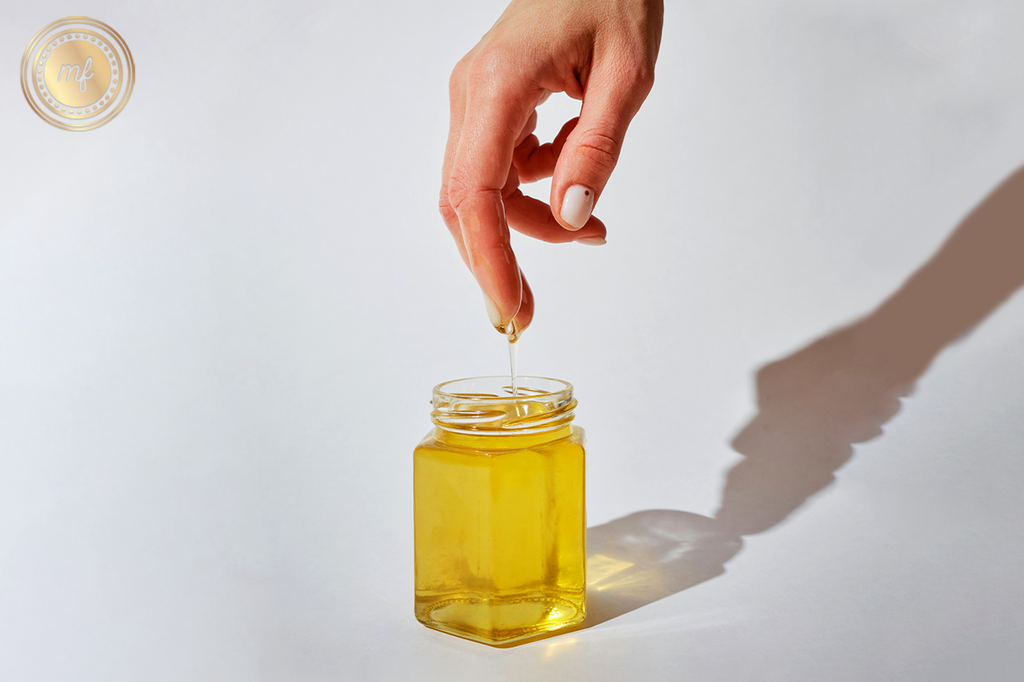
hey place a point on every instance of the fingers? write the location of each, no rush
(457, 107)
(533, 218)
(536, 161)
(527, 131)
(489, 251)
(613, 96)
(497, 111)
(525, 315)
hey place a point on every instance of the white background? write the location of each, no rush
(222, 313)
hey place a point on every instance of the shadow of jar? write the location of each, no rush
(649, 555)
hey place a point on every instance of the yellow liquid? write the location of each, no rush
(500, 533)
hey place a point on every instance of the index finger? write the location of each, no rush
(457, 107)
(495, 114)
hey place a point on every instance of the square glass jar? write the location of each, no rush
(500, 510)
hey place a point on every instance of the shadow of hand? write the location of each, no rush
(840, 390)
(812, 406)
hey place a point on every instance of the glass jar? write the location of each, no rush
(499, 510)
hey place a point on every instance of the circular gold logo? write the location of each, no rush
(77, 73)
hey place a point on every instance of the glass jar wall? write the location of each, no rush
(499, 510)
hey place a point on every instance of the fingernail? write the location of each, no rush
(511, 329)
(492, 311)
(591, 241)
(577, 204)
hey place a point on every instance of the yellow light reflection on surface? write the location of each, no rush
(602, 568)
(558, 647)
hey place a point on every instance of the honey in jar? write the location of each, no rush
(499, 510)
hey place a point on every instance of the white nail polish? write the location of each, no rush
(577, 204)
(591, 241)
(492, 311)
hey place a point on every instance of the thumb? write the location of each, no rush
(592, 149)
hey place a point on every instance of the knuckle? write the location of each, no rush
(494, 73)
(635, 69)
(644, 81)
(444, 207)
(639, 74)
(484, 68)
(458, 76)
(459, 191)
(599, 149)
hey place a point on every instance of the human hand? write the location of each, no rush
(599, 51)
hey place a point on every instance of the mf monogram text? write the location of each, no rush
(81, 74)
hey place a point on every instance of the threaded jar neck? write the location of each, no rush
(485, 406)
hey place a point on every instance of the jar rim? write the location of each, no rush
(530, 388)
(485, 405)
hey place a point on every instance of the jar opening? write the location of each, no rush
(485, 406)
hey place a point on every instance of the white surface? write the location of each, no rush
(221, 316)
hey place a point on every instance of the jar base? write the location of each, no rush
(500, 620)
